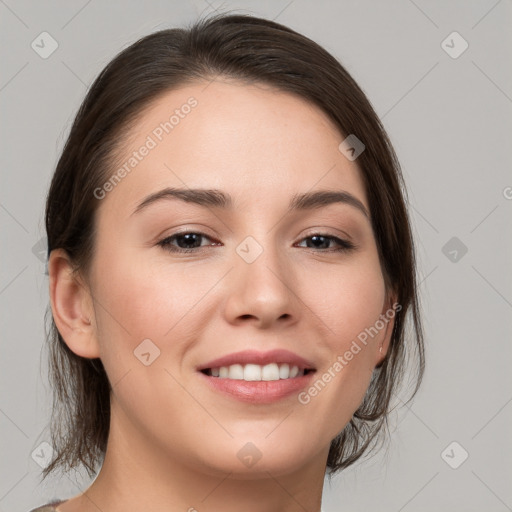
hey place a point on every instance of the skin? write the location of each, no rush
(173, 441)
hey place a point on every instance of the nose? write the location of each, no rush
(262, 292)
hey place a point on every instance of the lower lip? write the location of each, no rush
(261, 392)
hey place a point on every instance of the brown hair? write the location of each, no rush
(252, 50)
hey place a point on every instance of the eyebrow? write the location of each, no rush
(218, 199)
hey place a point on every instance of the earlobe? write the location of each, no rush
(388, 318)
(71, 305)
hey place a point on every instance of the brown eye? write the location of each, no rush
(185, 242)
(322, 242)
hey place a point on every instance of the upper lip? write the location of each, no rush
(261, 358)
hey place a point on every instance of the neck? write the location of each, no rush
(137, 475)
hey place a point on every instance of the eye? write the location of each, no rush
(191, 241)
(188, 241)
(320, 241)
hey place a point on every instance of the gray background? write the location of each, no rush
(450, 121)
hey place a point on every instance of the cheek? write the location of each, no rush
(141, 301)
(349, 302)
(360, 300)
(348, 299)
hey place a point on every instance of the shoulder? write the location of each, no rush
(49, 507)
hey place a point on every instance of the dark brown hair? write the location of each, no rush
(248, 49)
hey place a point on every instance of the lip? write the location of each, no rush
(258, 392)
(261, 358)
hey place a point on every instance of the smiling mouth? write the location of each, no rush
(256, 372)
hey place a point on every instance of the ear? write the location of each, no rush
(389, 311)
(72, 306)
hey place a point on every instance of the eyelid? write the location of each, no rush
(184, 229)
(332, 232)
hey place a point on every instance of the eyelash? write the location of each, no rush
(345, 245)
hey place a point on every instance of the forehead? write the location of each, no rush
(259, 144)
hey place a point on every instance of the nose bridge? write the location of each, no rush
(259, 288)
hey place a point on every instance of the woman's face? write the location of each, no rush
(261, 283)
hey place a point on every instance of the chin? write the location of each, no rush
(248, 459)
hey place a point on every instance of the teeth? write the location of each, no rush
(270, 372)
(256, 372)
(251, 372)
(236, 371)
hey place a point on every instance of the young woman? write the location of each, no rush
(231, 269)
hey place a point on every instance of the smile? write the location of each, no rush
(258, 377)
(256, 372)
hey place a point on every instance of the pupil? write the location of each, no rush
(189, 239)
(320, 239)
